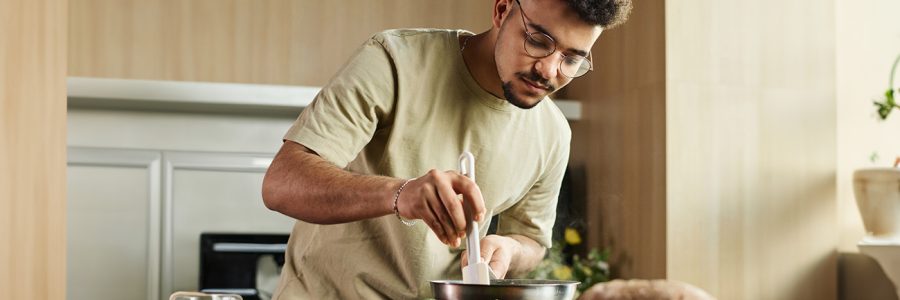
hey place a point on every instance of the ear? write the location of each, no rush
(500, 12)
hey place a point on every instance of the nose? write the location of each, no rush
(548, 67)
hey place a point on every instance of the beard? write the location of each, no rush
(513, 99)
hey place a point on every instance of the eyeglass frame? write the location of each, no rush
(553, 41)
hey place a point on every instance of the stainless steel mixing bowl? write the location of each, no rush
(505, 289)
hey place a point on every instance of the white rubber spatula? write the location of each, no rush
(478, 271)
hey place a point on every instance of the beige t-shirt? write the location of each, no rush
(405, 104)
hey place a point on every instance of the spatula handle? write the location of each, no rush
(473, 242)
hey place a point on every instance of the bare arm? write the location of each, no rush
(304, 186)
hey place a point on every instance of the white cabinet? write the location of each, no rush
(135, 216)
(113, 224)
(210, 192)
(144, 182)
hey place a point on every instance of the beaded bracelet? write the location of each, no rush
(396, 210)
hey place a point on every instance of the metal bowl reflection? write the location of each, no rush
(505, 289)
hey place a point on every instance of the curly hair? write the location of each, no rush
(606, 13)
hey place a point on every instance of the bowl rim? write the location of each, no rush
(532, 283)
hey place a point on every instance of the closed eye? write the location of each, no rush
(537, 43)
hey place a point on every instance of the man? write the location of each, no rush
(360, 167)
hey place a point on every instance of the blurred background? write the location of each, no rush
(714, 143)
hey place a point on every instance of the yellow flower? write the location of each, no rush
(572, 236)
(562, 273)
(587, 271)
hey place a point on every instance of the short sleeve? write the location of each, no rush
(345, 114)
(535, 214)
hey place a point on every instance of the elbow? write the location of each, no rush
(277, 197)
(272, 197)
(268, 195)
(287, 192)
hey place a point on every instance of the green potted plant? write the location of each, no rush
(889, 103)
(560, 265)
(877, 193)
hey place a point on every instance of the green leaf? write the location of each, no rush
(588, 270)
(887, 104)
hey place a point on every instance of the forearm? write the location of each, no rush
(304, 186)
(528, 255)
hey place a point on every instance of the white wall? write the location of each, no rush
(751, 143)
(868, 41)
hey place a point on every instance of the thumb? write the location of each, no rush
(465, 258)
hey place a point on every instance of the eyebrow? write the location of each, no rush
(543, 30)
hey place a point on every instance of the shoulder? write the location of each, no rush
(413, 33)
(413, 38)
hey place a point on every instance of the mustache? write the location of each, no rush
(537, 78)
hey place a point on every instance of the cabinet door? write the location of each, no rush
(113, 227)
(211, 192)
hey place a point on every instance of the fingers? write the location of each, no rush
(441, 207)
(497, 256)
(436, 228)
(447, 233)
(427, 198)
(465, 259)
(495, 253)
(433, 199)
(454, 209)
(471, 196)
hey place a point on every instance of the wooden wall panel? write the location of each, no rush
(115, 38)
(751, 147)
(32, 149)
(621, 143)
(297, 42)
(328, 32)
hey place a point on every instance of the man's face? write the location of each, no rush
(526, 79)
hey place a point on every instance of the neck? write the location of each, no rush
(478, 55)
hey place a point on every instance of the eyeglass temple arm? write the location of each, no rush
(591, 61)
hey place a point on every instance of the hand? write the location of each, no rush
(433, 199)
(497, 251)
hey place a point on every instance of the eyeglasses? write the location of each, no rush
(540, 45)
